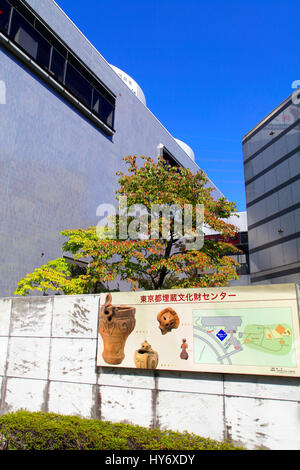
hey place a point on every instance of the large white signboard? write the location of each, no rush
(244, 330)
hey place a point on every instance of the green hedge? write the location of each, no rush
(24, 430)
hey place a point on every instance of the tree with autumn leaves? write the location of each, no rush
(145, 262)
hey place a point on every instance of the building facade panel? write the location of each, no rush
(272, 179)
(273, 128)
(273, 175)
(273, 230)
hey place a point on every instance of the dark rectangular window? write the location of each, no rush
(107, 112)
(103, 108)
(24, 10)
(46, 33)
(35, 38)
(57, 66)
(243, 269)
(30, 40)
(169, 159)
(4, 15)
(244, 238)
(78, 85)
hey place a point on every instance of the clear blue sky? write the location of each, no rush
(210, 69)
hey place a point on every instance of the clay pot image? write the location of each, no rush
(115, 325)
(184, 353)
(168, 319)
(145, 357)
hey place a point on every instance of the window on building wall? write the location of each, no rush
(171, 161)
(168, 157)
(78, 268)
(107, 111)
(48, 51)
(103, 107)
(58, 54)
(244, 238)
(4, 15)
(57, 65)
(24, 10)
(78, 85)
(24, 34)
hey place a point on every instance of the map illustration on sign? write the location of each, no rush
(260, 336)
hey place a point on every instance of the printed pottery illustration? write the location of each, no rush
(168, 319)
(145, 357)
(184, 353)
(116, 322)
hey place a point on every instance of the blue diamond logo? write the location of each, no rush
(221, 335)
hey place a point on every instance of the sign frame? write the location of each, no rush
(235, 330)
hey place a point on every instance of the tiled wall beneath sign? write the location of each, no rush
(48, 349)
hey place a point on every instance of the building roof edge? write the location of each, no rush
(266, 118)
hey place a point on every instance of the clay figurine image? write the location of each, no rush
(115, 325)
(145, 357)
(168, 319)
(184, 353)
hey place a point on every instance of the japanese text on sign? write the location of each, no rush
(189, 297)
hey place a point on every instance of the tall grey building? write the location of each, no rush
(272, 178)
(67, 119)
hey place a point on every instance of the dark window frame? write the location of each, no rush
(5, 16)
(77, 84)
(43, 42)
(169, 157)
(20, 24)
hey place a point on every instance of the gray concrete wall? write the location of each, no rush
(272, 178)
(56, 166)
(48, 349)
